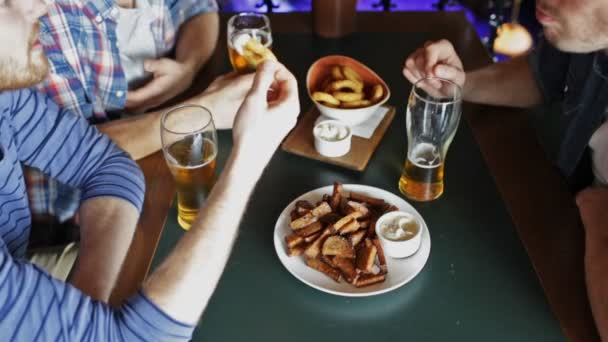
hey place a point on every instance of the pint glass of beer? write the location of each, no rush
(241, 28)
(433, 113)
(189, 143)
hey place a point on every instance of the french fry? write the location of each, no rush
(337, 246)
(353, 206)
(311, 217)
(366, 257)
(324, 268)
(313, 250)
(376, 202)
(310, 229)
(336, 197)
(346, 219)
(330, 218)
(350, 227)
(347, 267)
(293, 240)
(356, 237)
(311, 238)
(381, 257)
(369, 279)
(298, 250)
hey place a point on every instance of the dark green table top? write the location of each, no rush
(478, 283)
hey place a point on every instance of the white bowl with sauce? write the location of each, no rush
(332, 138)
(399, 233)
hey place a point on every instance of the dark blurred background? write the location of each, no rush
(486, 15)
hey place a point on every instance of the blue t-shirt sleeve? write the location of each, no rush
(37, 307)
(550, 69)
(67, 148)
(182, 10)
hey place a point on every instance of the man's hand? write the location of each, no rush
(435, 59)
(268, 113)
(170, 79)
(224, 96)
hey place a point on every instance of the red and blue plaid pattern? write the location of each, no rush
(79, 39)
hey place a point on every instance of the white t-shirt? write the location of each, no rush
(135, 41)
(599, 153)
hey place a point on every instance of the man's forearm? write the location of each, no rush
(596, 273)
(510, 83)
(107, 227)
(195, 266)
(197, 40)
(592, 203)
(140, 135)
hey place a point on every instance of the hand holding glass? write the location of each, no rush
(433, 113)
(189, 142)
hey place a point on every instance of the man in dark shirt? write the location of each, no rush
(570, 65)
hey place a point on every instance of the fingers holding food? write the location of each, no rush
(255, 53)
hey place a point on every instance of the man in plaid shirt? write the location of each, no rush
(98, 62)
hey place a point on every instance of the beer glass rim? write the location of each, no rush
(180, 107)
(457, 98)
(252, 14)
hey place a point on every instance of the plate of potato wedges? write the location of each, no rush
(326, 238)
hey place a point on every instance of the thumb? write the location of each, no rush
(264, 77)
(152, 65)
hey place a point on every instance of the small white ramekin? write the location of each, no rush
(332, 148)
(400, 248)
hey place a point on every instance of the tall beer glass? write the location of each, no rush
(241, 28)
(189, 143)
(433, 113)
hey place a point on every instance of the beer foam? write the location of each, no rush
(425, 155)
(239, 40)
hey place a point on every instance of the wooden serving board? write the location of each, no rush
(300, 141)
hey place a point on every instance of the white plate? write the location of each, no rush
(400, 271)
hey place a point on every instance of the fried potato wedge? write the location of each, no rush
(337, 246)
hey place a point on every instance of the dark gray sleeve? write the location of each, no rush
(550, 69)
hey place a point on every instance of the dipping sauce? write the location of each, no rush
(400, 228)
(331, 132)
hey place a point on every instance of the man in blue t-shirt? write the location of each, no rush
(36, 132)
(569, 65)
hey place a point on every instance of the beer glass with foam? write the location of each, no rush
(242, 28)
(189, 142)
(433, 113)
